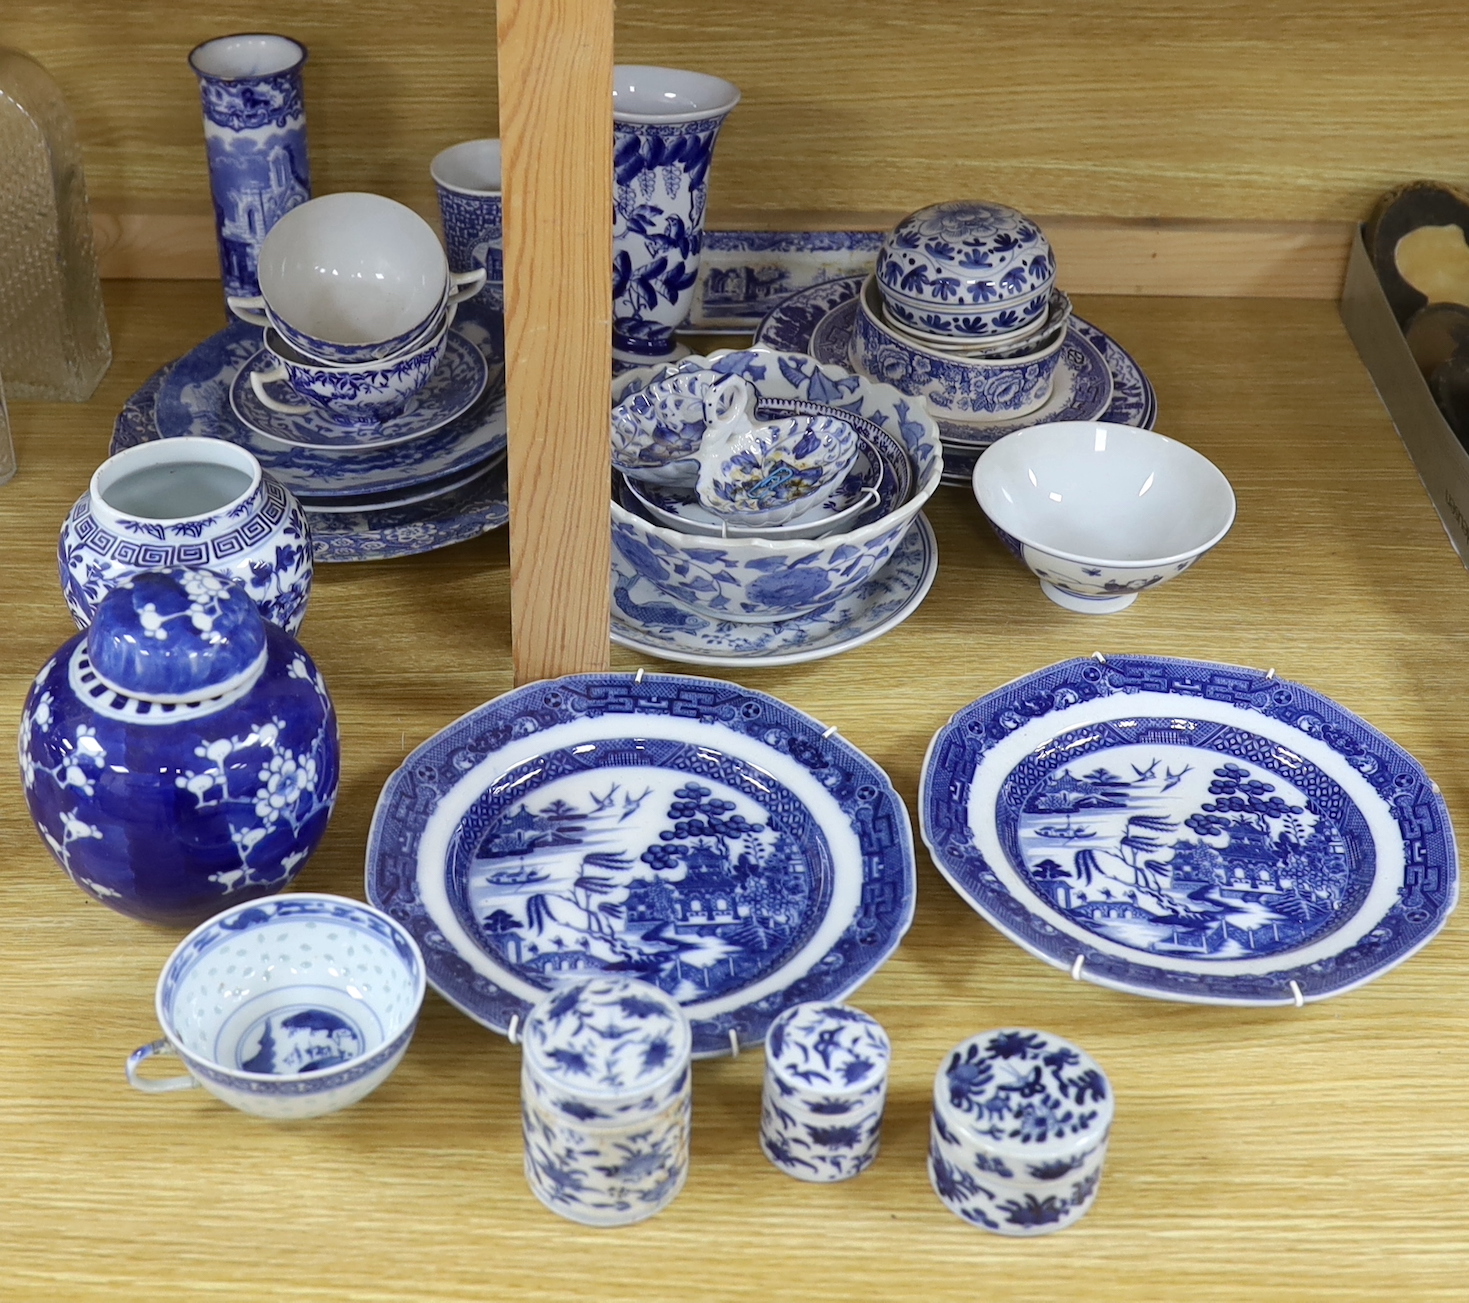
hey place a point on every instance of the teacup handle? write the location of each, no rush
(466, 284)
(248, 307)
(258, 381)
(155, 1086)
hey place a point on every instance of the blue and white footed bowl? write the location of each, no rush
(757, 580)
(367, 393)
(606, 1099)
(287, 1008)
(1019, 1133)
(182, 753)
(187, 502)
(958, 388)
(773, 473)
(657, 430)
(966, 268)
(826, 1073)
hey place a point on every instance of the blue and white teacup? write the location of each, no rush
(288, 1007)
(366, 394)
(471, 206)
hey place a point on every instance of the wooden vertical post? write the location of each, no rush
(556, 127)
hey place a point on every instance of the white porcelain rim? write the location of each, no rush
(731, 98)
(166, 452)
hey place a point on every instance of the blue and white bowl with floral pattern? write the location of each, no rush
(757, 580)
(966, 268)
(657, 430)
(772, 473)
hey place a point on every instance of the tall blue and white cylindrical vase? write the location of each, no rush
(665, 121)
(255, 134)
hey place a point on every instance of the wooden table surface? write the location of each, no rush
(1257, 1154)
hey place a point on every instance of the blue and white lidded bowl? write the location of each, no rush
(1020, 1125)
(606, 1100)
(826, 1082)
(181, 754)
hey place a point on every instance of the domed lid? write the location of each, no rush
(1024, 1093)
(965, 252)
(176, 636)
(827, 1049)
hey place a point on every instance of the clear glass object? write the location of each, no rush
(54, 343)
(7, 445)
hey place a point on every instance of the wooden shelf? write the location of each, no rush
(1275, 1154)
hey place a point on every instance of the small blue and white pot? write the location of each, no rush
(966, 269)
(471, 207)
(187, 502)
(1019, 1134)
(606, 1099)
(182, 753)
(665, 122)
(826, 1075)
(954, 388)
(255, 134)
(321, 1003)
(367, 393)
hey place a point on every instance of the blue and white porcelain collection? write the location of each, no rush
(622, 873)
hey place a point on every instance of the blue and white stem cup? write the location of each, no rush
(1020, 1126)
(826, 1079)
(255, 135)
(471, 207)
(289, 1007)
(665, 123)
(606, 1099)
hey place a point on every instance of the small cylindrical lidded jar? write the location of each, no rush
(826, 1082)
(605, 1099)
(1020, 1125)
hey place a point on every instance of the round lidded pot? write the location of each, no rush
(826, 1077)
(606, 1099)
(1020, 1126)
(966, 269)
(180, 755)
(197, 503)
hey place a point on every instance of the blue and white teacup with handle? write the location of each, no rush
(288, 1007)
(471, 207)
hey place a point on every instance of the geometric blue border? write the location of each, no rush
(862, 790)
(1431, 876)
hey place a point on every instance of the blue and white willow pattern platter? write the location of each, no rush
(194, 399)
(820, 321)
(707, 839)
(1189, 831)
(461, 511)
(646, 621)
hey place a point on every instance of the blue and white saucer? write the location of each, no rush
(374, 530)
(194, 399)
(1189, 831)
(819, 321)
(644, 620)
(702, 837)
(456, 383)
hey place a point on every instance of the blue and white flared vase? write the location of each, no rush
(255, 134)
(665, 124)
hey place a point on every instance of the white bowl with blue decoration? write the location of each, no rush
(967, 269)
(657, 430)
(759, 580)
(769, 474)
(1101, 512)
(953, 387)
(287, 1008)
(1030, 340)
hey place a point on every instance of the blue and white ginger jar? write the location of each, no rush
(181, 755)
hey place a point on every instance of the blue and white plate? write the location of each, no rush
(455, 512)
(399, 497)
(1189, 831)
(194, 399)
(710, 840)
(819, 321)
(457, 382)
(646, 621)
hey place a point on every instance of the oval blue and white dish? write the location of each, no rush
(709, 840)
(1189, 831)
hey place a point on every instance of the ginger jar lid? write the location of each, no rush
(827, 1049)
(965, 253)
(1024, 1093)
(174, 636)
